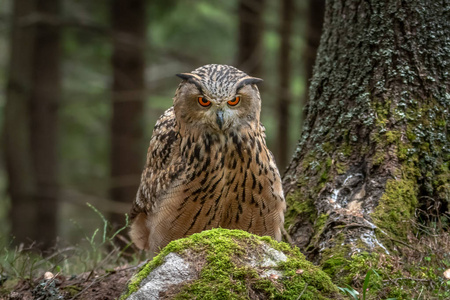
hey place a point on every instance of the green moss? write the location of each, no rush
(379, 158)
(320, 222)
(8, 286)
(403, 151)
(324, 177)
(297, 205)
(340, 168)
(382, 108)
(223, 277)
(335, 259)
(327, 147)
(309, 161)
(319, 226)
(328, 163)
(410, 135)
(442, 183)
(421, 150)
(397, 205)
(392, 281)
(72, 290)
(351, 271)
(135, 281)
(334, 265)
(392, 136)
(347, 149)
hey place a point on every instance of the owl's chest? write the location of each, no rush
(229, 185)
(234, 171)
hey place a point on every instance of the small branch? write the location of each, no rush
(373, 228)
(353, 225)
(401, 242)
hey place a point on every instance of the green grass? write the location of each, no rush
(99, 251)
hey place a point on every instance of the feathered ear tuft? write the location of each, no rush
(246, 81)
(191, 78)
(186, 76)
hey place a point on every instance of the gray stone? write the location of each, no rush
(173, 271)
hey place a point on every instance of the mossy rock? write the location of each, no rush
(230, 264)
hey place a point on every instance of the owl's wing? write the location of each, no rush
(162, 166)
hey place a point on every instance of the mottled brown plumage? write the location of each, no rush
(208, 166)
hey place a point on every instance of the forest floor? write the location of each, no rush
(89, 285)
(98, 268)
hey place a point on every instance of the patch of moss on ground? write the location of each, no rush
(335, 259)
(223, 277)
(398, 277)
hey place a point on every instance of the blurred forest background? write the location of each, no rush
(82, 84)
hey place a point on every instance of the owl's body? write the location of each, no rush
(208, 165)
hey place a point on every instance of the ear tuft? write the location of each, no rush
(246, 81)
(191, 78)
(185, 76)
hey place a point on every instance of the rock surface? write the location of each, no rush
(173, 271)
(229, 264)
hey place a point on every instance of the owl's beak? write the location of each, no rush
(219, 118)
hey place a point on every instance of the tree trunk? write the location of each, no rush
(128, 92)
(284, 73)
(30, 130)
(376, 144)
(316, 10)
(250, 36)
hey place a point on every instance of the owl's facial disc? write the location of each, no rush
(217, 99)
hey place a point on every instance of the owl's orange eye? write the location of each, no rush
(204, 102)
(235, 101)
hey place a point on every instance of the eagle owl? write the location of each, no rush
(208, 165)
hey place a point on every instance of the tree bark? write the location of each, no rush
(284, 73)
(376, 145)
(31, 129)
(128, 93)
(249, 57)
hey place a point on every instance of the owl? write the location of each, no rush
(208, 165)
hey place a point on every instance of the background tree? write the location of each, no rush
(316, 10)
(284, 85)
(249, 57)
(375, 151)
(128, 93)
(30, 128)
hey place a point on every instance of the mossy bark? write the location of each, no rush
(375, 146)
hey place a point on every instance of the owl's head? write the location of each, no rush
(217, 98)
